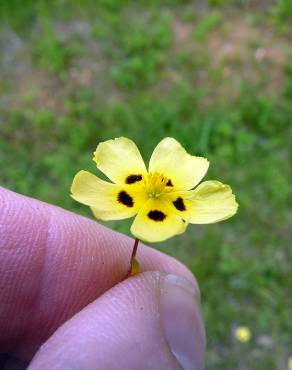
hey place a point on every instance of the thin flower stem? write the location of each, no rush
(135, 248)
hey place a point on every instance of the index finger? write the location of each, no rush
(53, 263)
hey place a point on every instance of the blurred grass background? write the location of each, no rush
(217, 76)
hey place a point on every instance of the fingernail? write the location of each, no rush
(182, 322)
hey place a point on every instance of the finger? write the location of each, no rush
(52, 264)
(151, 321)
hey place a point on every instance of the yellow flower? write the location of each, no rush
(243, 334)
(162, 198)
(290, 363)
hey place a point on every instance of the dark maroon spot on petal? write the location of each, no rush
(131, 179)
(179, 204)
(125, 199)
(169, 183)
(156, 215)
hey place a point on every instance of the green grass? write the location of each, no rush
(210, 22)
(131, 74)
(139, 52)
(51, 53)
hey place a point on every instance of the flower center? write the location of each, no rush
(155, 184)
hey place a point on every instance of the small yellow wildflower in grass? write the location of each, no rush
(243, 334)
(290, 363)
(163, 198)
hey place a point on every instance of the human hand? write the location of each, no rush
(63, 305)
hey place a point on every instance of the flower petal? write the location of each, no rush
(171, 160)
(156, 222)
(210, 202)
(108, 201)
(120, 160)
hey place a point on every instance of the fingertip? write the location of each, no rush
(54, 263)
(138, 324)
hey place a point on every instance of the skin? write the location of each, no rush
(63, 301)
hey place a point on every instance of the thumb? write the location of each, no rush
(151, 321)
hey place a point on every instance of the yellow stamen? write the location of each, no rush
(155, 184)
